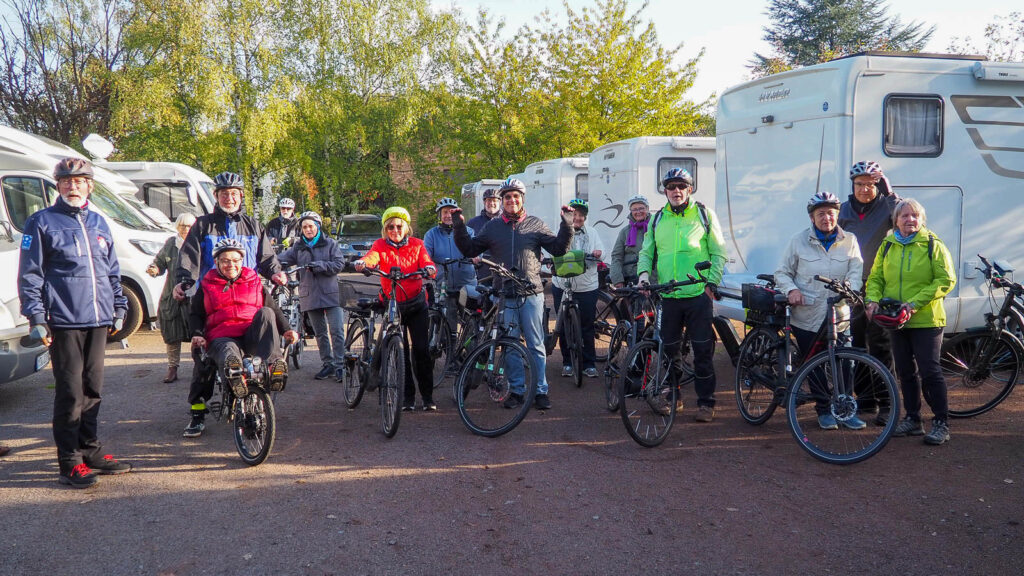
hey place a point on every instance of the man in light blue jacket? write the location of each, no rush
(440, 244)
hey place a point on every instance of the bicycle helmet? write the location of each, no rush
(227, 180)
(446, 203)
(227, 245)
(869, 168)
(311, 215)
(677, 174)
(579, 205)
(396, 212)
(891, 314)
(286, 203)
(638, 199)
(512, 185)
(822, 199)
(491, 193)
(71, 167)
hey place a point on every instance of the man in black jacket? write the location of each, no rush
(514, 240)
(284, 228)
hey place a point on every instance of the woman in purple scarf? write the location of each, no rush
(628, 243)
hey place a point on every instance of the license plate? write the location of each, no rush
(42, 360)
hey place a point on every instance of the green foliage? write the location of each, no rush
(805, 32)
(1004, 40)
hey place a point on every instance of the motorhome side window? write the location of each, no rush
(666, 164)
(581, 187)
(22, 197)
(171, 199)
(913, 126)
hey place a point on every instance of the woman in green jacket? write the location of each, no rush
(914, 267)
(173, 314)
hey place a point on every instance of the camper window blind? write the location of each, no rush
(913, 126)
(581, 187)
(666, 164)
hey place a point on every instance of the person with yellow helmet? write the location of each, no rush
(398, 247)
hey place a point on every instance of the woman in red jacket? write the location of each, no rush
(397, 247)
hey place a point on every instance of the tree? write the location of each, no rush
(805, 32)
(1005, 36)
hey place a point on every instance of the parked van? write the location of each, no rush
(551, 184)
(27, 171)
(620, 170)
(945, 129)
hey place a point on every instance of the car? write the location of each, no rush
(355, 234)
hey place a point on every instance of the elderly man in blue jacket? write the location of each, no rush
(69, 283)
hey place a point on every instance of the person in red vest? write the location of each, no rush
(233, 315)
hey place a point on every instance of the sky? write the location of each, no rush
(730, 31)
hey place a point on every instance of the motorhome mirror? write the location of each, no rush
(99, 147)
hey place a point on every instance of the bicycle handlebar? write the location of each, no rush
(843, 289)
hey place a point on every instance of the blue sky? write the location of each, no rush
(731, 30)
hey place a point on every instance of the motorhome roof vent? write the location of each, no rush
(579, 162)
(998, 71)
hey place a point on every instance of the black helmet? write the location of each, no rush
(491, 193)
(227, 180)
(70, 167)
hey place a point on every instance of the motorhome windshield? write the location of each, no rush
(207, 192)
(118, 210)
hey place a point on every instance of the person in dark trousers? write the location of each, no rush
(232, 314)
(319, 293)
(867, 214)
(195, 257)
(172, 313)
(69, 282)
(283, 229)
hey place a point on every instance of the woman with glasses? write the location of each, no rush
(397, 247)
(172, 313)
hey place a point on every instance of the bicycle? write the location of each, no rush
(569, 327)
(625, 335)
(981, 365)
(647, 400)
(287, 298)
(441, 335)
(253, 417)
(487, 401)
(386, 353)
(824, 382)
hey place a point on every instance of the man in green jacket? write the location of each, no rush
(682, 234)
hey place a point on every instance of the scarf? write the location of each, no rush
(398, 244)
(509, 217)
(901, 238)
(827, 240)
(679, 209)
(635, 228)
(314, 240)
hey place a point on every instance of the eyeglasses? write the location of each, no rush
(398, 227)
(676, 186)
(75, 182)
(231, 261)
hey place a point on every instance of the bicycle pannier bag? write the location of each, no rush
(757, 297)
(570, 265)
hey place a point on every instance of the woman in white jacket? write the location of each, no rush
(823, 249)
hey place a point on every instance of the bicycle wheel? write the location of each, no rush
(647, 400)
(392, 384)
(295, 352)
(605, 320)
(980, 371)
(817, 389)
(297, 324)
(574, 343)
(357, 361)
(757, 375)
(617, 350)
(254, 425)
(495, 387)
(469, 337)
(439, 343)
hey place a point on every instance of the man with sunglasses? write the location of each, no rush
(682, 234)
(867, 214)
(515, 239)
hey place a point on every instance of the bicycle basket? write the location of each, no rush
(570, 265)
(469, 298)
(758, 298)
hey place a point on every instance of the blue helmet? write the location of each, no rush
(677, 174)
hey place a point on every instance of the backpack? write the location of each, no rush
(702, 211)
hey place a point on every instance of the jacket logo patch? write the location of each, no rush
(26, 241)
(102, 242)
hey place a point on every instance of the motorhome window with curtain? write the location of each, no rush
(666, 164)
(913, 126)
(581, 187)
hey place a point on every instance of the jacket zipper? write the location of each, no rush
(92, 269)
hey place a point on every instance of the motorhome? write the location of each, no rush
(945, 129)
(169, 187)
(551, 184)
(620, 170)
(27, 171)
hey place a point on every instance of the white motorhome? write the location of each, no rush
(551, 184)
(472, 201)
(28, 172)
(620, 170)
(945, 129)
(169, 187)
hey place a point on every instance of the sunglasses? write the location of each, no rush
(676, 187)
(395, 226)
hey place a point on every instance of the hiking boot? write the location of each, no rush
(78, 477)
(827, 422)
(542, 402)
(939, 434)
(278, 375)
(567, 372)
(590, 372)
(324, 372)
(908, 427)
(196, 426)
(883, 416)
(705, 414)
(659, 404)
(513, 401)
(172, 374)
(853, 423)
(109, 465)
(233, 376)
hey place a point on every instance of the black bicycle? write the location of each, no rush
(625, 335)
(287, 298)
(982, 365)
(442, 337)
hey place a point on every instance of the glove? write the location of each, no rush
(117, 327)
(457, 218)
(567, 215)
(318, 267)
(40, 333)
(644, 278)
